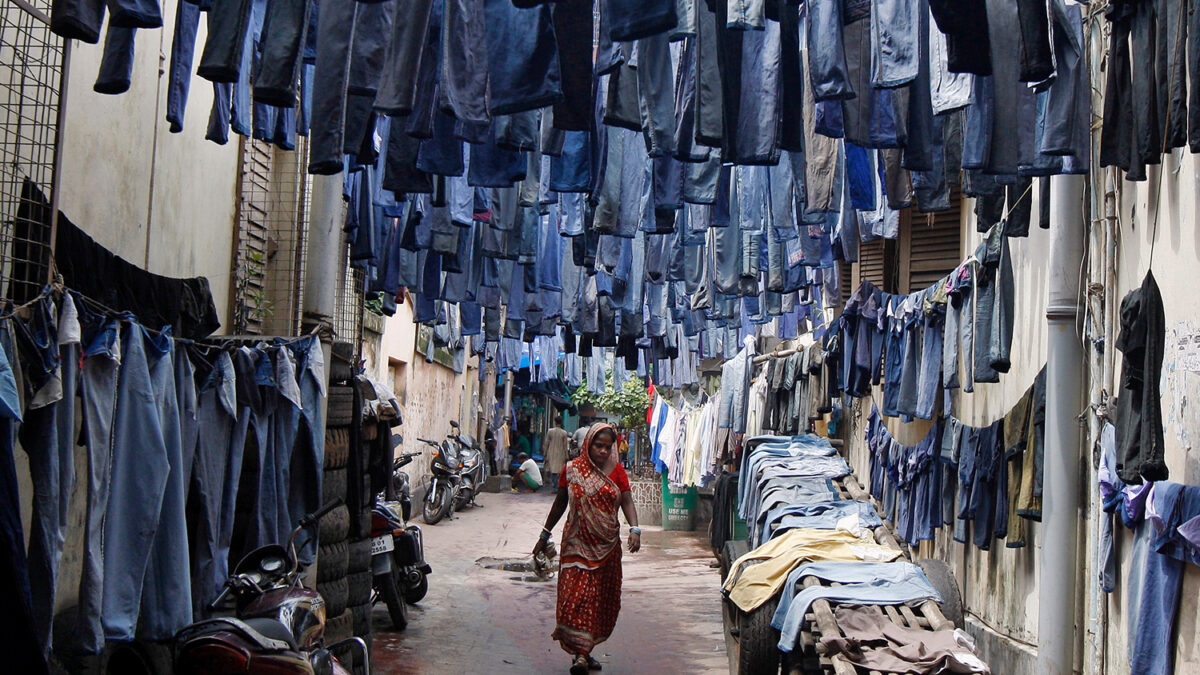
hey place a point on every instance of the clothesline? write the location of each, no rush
(59, 289)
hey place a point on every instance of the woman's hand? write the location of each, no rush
(635, 542)
(541, 544)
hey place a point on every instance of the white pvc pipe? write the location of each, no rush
(1063, 467)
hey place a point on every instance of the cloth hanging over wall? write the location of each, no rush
(985, 481)
(186, 305)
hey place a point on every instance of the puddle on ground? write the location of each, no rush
(524, 564)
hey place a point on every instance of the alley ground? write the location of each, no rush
(478, 620)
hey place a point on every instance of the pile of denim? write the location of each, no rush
(194, 455)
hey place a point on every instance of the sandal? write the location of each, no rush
(593, 664)
(580, 665)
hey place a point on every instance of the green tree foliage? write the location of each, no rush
(629, 403)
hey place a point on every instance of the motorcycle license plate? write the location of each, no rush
(382, 544)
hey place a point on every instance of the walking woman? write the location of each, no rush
(595, 486)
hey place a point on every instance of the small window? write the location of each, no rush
(930, 245)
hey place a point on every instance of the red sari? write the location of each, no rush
(589, 577)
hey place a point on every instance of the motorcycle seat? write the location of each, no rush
(272, 629)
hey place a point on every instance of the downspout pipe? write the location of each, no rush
(1063, 466)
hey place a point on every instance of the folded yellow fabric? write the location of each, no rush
(750, 588)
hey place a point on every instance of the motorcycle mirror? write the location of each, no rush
(454, 423)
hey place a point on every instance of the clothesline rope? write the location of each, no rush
(213, 341)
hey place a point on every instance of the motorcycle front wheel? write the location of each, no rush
(438, 506)
(389, 589)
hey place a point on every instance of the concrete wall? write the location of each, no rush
(164, 201)
(433, 394)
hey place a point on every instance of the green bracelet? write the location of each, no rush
(635, 530)
(544, 536)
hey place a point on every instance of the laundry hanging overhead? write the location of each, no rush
(700, 176)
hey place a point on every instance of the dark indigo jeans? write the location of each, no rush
(522, 58)
(335, 30)
(24, 649)
(402, 61)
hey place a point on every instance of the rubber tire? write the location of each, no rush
(758, 642)
(388, 586)
(331, 561)
(733, 549)
(359, 559)
(333, 485)
(340, 627)
(336, 595)
(941, 577)
(340, 412)
(337, 448)
(359, 586)
(334, 526)
(415, 592)
(433, 513)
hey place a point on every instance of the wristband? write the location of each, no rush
(545, 536)
(635, 530)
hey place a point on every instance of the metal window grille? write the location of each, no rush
(271, 239)
(31, 76)
(351, 304)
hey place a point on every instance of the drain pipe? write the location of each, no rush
(1062, 465)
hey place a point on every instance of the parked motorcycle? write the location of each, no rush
(446, 469)
(410, 548)
(278, 625)
(397, 550)
(472, 474)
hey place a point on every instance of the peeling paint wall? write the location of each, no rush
(433, 394)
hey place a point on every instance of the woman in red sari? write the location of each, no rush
(595, 486)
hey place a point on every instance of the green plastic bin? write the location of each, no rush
(679, 507)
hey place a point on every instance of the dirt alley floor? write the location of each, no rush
(478, 620)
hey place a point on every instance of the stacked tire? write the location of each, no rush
(333, 556)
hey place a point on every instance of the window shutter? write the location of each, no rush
(931, 245)
(251, 236)
(871, 265)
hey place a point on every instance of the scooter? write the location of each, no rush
(278, 626)
(446, 468)
(472, 474)
(397, 555)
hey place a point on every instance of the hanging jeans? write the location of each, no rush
(895, 41)
(81, 19)
(828, 70)
(629, 20)
(522, 58)
(709, 103)
(53, 475)
(335, 30)
(403, 58)
(464, 74)
(218, 468)
(573, 34)
(139, 472)
(168, 573)
(228, 22)
(23, 649)
(183, 50)
(100, 372)
(280, 49)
